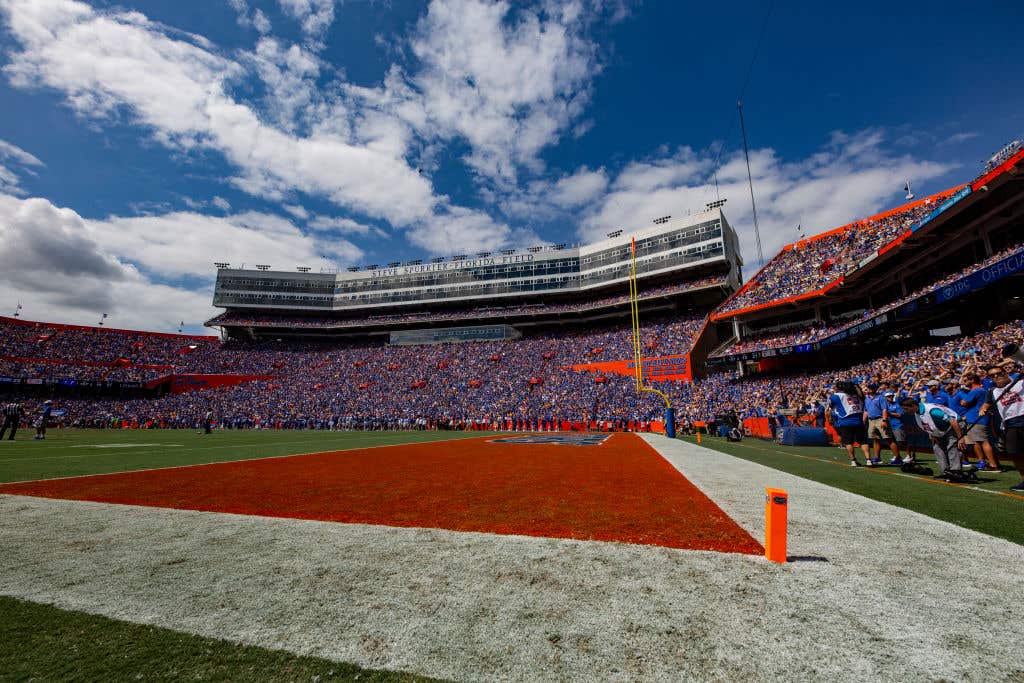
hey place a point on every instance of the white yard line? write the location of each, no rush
(883, 594)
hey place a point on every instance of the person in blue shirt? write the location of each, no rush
(896, 426)
(935, 395)
(819, 414)
(977, 436)
(957, 394)
(848, 417)
(876, 408)
(44, 416)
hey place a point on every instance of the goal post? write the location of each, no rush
(638, 364)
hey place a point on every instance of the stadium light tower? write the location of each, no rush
(303, 269)
(220, 265)
(906, 188)
(17, 310)
(262, 266)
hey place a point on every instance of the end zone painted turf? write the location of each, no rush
(614, 489)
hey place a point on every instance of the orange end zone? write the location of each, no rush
(620, 490)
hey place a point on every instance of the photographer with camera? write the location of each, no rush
(1006, 399)
(943, 428)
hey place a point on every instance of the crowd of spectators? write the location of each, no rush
(524, 381)
(813, 332)
(479, 313)
(48, 351)
(806, 334)
(812, 264)
(1002, 155)
(321, 384)
(908, 371)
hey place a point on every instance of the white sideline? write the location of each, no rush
(900, 597)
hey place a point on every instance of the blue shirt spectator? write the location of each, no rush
(895, 412)
(875, 405)
(937, 396)
(975, 399)
(956, 402)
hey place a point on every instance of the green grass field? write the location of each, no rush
(40, 642)
(988, 506)
(76, 452)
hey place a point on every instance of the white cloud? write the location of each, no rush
(53, 264)
(580, 188)
(344, 226)
(460, 230)
(315, 16)
(850, 177)
(292, 100)
(957, 138)
(146, 271)
(12, 155)
(255, 20)
(508, 79)
(296, 210)
(109, 63)
(260, 22)
(17, 154)
(181, 244)
(648, 176)
(221, 203)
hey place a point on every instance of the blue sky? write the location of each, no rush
(142, 141)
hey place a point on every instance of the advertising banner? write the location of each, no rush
(944, 206)
(997, 271)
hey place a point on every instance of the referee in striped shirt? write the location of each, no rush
(12, 416)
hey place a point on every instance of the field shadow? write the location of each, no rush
(806, 558)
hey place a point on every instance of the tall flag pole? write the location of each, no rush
(750, 182)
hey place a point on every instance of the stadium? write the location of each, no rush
(645, 455)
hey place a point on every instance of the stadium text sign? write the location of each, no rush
(452, 265)
(997, 271)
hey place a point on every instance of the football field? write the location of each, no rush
(483, 556)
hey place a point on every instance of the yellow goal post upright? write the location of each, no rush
(638, 364)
